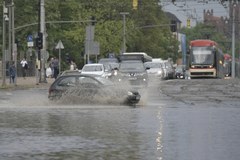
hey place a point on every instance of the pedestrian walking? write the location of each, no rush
(55, 67)
(24, 67)
(73, 65)
(51, 65)
(12, 72)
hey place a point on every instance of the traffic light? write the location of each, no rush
(93, 20)
(188, 23)
(135, 4)
(8, 2)
(39, 40)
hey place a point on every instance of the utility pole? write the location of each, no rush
(43, 50)
(124, 30)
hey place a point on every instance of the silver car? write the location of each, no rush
(155, 69)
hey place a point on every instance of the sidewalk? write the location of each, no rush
(28, 82)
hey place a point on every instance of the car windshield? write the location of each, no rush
(107, 67)
(168, 65)
(202, 55)
(179, 69)
(92, 68)
(131, 66)
(153, 65)
(114, 65)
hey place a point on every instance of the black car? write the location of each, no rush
(180, 72)
(134, 72)
(90, 89)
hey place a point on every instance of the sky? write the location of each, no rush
(185, 9)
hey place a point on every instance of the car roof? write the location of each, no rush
(74, 75)
(78, 75)
(94, 64)
(71, 72)
(131, 61)
(96, 77)
(153, 62)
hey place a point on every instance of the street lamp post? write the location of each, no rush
(5, 18)
(233, 41)
(124, 30)
(14, 46)
(12, 49)
(43, 50)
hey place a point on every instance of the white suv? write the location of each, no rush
(94, 69)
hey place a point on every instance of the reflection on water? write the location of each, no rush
(159, 133)
(201, 132)
(78, 132)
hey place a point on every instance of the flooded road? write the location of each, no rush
(178, 119)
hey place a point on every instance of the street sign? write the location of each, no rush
(90, 33)
(92, 48)
(59, 45)
(30, 40)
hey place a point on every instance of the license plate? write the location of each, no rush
(132, 78)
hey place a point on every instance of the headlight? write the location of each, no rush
(130, 93)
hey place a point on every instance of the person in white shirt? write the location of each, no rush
(73, 66)
(24, 67)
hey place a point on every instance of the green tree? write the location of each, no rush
(157, 40)
(203, 31)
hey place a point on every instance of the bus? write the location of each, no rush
(135, 56)
(205, 59)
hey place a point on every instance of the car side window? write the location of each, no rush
(87, 80)
(98, 68)
(68, 81)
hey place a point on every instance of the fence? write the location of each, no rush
(30, 72)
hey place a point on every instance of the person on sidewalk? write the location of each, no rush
(24, 67)
(73, 65)
(55, 67)
(12, 72)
